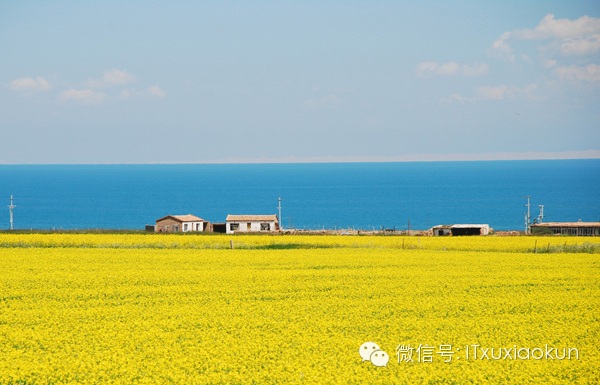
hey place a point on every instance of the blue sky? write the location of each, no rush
(177, 81)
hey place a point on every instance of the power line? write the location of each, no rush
(11, 207)
(527, 216)
(280, 220)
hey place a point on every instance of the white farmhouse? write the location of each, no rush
(183, 223)
(251, 223)
(470, 229)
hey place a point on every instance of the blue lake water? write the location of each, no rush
(359, 195)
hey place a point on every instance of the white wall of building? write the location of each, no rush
(191, 226)
(254, 226)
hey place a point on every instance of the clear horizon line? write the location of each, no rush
(489, 156)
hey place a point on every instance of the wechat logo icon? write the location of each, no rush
(370, 351)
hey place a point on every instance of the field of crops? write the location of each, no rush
(113, 308)
(180, 241)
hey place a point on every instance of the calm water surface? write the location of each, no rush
(359, 195)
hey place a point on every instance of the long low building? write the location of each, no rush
(183, 223)
(578, 229)
(458, 230)
(251, 223)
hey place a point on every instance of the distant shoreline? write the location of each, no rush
(498, 156)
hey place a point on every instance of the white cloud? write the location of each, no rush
(581, 46)
(448, 69)
(501, 49)
(487, 92)
(477, 69)
(549, 64)
(156, 91)
(30, 84)
(570, 37)
(550, 27)
(117, 77)
(85, 96)
(526, 58)
(429, 69)
(454, 97)
(589, 73)
(329, 100)
(501, 92)
(132, 92)
(113, 77)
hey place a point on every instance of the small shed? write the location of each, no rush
(577, 229)
(218, 228)
(251, 223)
(458, 230)
(441, 230)
(183, 223)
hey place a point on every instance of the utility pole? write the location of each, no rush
(527, 216)
(427, 221)
(280, 221)
(11, 207)
(541, 216)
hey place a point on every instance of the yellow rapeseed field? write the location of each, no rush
(152, 240)
(145, 309)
